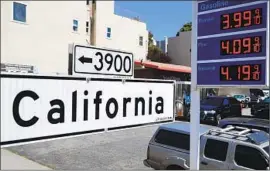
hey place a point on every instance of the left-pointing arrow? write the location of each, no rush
(85, 60)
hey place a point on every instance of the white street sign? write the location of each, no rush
(90, 60)
(35, 108)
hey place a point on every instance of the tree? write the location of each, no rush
(150, 39)
(155, 54)
(185, 27)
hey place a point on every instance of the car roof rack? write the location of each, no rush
(239, 133)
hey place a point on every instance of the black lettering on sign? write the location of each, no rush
(127, 66)
(85, 107)
(120, 63)
(60, 110)
(160, 105)
(114, 113)
(150, 103)
(109, 60)
(16, 106)
(100, 61)
(74, 106)
(97, 102)
(137, 100)
(117, 61)
(57, 112)
(125, 101)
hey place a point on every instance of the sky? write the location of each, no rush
(163, 18)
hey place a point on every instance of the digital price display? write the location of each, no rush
(240, 72)
(241, 19)
(232, 44)
(240, 46)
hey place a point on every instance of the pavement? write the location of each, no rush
(8, 160)
(117, 150)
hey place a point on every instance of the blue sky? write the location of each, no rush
(163, 18)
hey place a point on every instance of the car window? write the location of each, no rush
(225, 102)
(212, 101)
(215, 149)
(234, 101)
(239, 96)
(267, 100)
(250, 158)
(266, 149)
(173, 139)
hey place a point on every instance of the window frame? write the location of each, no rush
(211, 158)
(87, 27)
(140, 41)
(13, 11)
(109, 32)
(251, 147)
(73, 25)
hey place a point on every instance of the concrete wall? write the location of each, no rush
(179, 49)
(43, 40)
(125, 32)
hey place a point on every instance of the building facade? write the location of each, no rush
(122, 33)
(178, 48)
(38, 33)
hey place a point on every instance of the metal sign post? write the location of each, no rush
(230, 48)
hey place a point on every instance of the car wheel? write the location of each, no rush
(218, 118)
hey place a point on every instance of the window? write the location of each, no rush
(250, 158)
(173, 139)
(109, 32)
(87, 2)
(19, 12)
(234, 101)
(225, 102)
(141, 41)
(212, 101)
(215, 149)
(87, 26)
(75, 25)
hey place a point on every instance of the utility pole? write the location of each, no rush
(93, 23)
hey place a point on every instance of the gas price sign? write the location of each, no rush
(232, 43)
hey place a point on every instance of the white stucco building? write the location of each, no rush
(117, 32)
(38, 32)
(178, 48)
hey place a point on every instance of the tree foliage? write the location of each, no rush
(185, 27)
(155, 54)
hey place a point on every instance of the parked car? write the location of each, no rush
(243, 99)
(213, 109)
(232, 148)
(251, 123)
(261, 109)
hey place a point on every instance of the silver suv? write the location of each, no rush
(231, 148)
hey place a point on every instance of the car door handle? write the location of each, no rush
(204, 163)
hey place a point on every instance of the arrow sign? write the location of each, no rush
(85, 60)
(100, 62)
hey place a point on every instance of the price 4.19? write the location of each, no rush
(249, 72)
(117, 62)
